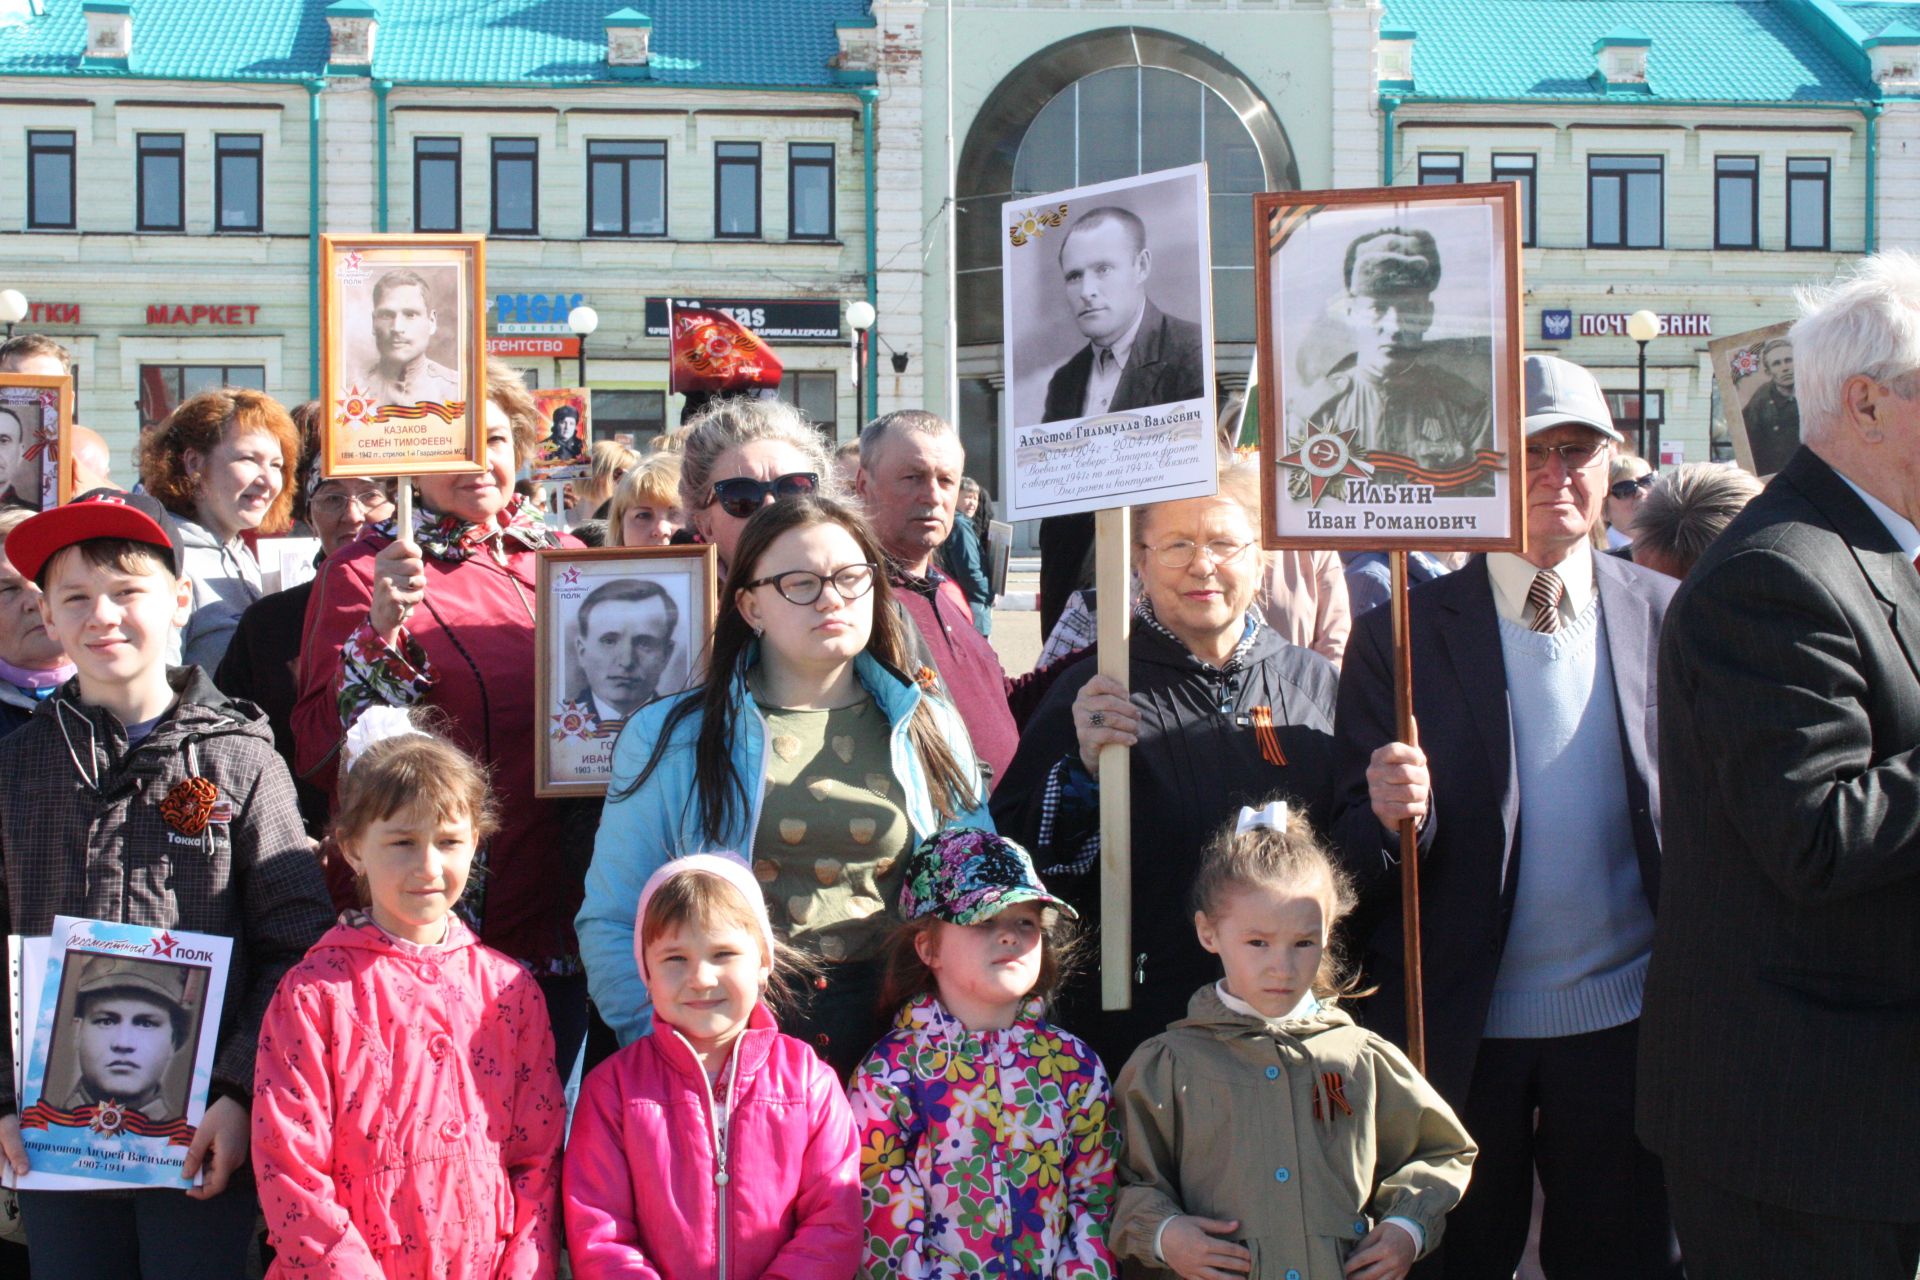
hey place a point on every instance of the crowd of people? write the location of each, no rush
(809, 994)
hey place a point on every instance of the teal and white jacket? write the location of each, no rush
(661, 820)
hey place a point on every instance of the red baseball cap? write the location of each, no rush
(97, 513)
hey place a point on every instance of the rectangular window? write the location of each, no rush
(1736, 202)
(736, 190)
(816, 395)
(516, 187)
(810, 191)
(640, 415)
(50, 179)
(1442, 168)
(236, 182)
(436, 184)
(164, 386)
(161, 181)
(626, 189)
(1809, 188)
(1626, 196)
(1520, 168)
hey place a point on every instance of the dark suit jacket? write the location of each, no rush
(1782, 1027)
(1470, 846)
(1165, 366)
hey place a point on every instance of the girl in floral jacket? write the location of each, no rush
(984, 1142)
(407, 1116)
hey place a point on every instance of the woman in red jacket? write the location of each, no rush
(444, 618)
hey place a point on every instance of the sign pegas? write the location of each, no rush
(534, 312)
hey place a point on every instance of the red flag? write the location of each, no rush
(713, 352)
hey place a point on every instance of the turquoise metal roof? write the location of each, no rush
(1710, 50)
(1872, 19)
(766, 43)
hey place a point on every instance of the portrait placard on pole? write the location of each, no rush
(403, 354)
(1109, 342)
(1754, 372)
(1389, 353)
(36, 456)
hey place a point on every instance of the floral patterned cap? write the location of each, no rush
(964, 875)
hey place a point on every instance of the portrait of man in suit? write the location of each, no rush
(1136, 355)
(623, 639)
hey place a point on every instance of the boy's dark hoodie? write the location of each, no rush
(83, 833)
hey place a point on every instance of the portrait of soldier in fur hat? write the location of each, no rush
(1392, 389)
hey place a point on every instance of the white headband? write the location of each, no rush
(376, 724)
(1272, 817)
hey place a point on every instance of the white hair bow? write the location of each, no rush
(1273, 817)
(376, 724)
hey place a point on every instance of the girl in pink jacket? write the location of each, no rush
(712, 1148)
(407, 1117)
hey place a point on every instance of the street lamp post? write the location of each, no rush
(860, 318)
(1643, 327)
(13, 308)
(583, 321)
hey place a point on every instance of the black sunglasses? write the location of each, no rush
(743, 495)
(1624, 489)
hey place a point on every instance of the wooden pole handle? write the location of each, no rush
(1408, 732)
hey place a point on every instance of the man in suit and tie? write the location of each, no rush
(1782, 1028)
(1136, 356)
(1537, 797)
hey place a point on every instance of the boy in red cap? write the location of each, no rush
(141, 794)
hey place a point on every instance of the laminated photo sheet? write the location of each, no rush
(118, 1024)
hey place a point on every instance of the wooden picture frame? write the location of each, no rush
(41, 411)
(578, 688)
(554, 457)
(1375, 433)
(1763, 419)
(402, 391)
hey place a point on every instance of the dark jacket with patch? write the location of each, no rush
(1198, 761)
(82, 834)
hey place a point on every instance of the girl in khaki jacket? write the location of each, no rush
(1266, 1134)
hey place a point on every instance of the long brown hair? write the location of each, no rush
(722, 791)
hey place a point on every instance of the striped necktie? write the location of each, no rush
(1544, 595)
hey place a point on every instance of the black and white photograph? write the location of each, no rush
(617, 628)
(123, 1037)
(1389, 364)
(1109, 323)
(36, 416)
(1754, 371)
(402, 353)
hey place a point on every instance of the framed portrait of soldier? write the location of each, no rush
(1109, 345)
(1389, 368)
(565, 451)
(616, 628)
(118, 1023)
(36, 423)
(1754, 371)
(403, 354)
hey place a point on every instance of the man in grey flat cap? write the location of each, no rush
(1397, 401)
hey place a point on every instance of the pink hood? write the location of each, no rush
(655, 1191)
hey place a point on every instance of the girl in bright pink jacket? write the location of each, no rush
(712, 1148)
(407, 1117)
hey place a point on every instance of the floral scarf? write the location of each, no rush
(449, 538)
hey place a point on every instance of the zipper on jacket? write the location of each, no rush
(719, 1135)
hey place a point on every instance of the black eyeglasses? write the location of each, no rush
(743, 495)
(1624, 489)
(803, 586)
(1572, 456)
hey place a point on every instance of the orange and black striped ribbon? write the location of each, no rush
(178, 1133)
(1485, 462)
(1269, 740)
(425, 409)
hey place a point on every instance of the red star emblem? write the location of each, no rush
(1327, 456)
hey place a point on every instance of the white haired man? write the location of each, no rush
(1782, 1011)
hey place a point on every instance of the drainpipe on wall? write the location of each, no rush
(871, 376)
(380, 88)
(1871, 111)
(315, 87)
(1386, 139)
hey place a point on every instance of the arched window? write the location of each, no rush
(1113, 104)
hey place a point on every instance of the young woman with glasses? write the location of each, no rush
(1222, 712)
(808, 753)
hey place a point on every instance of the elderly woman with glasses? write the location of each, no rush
(741, 454)
(1222, 712)
(806, 753)
(1629, 480)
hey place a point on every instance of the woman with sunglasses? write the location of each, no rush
(1223, 712)
(1630, 479)
(807, 753)
(741, 454)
